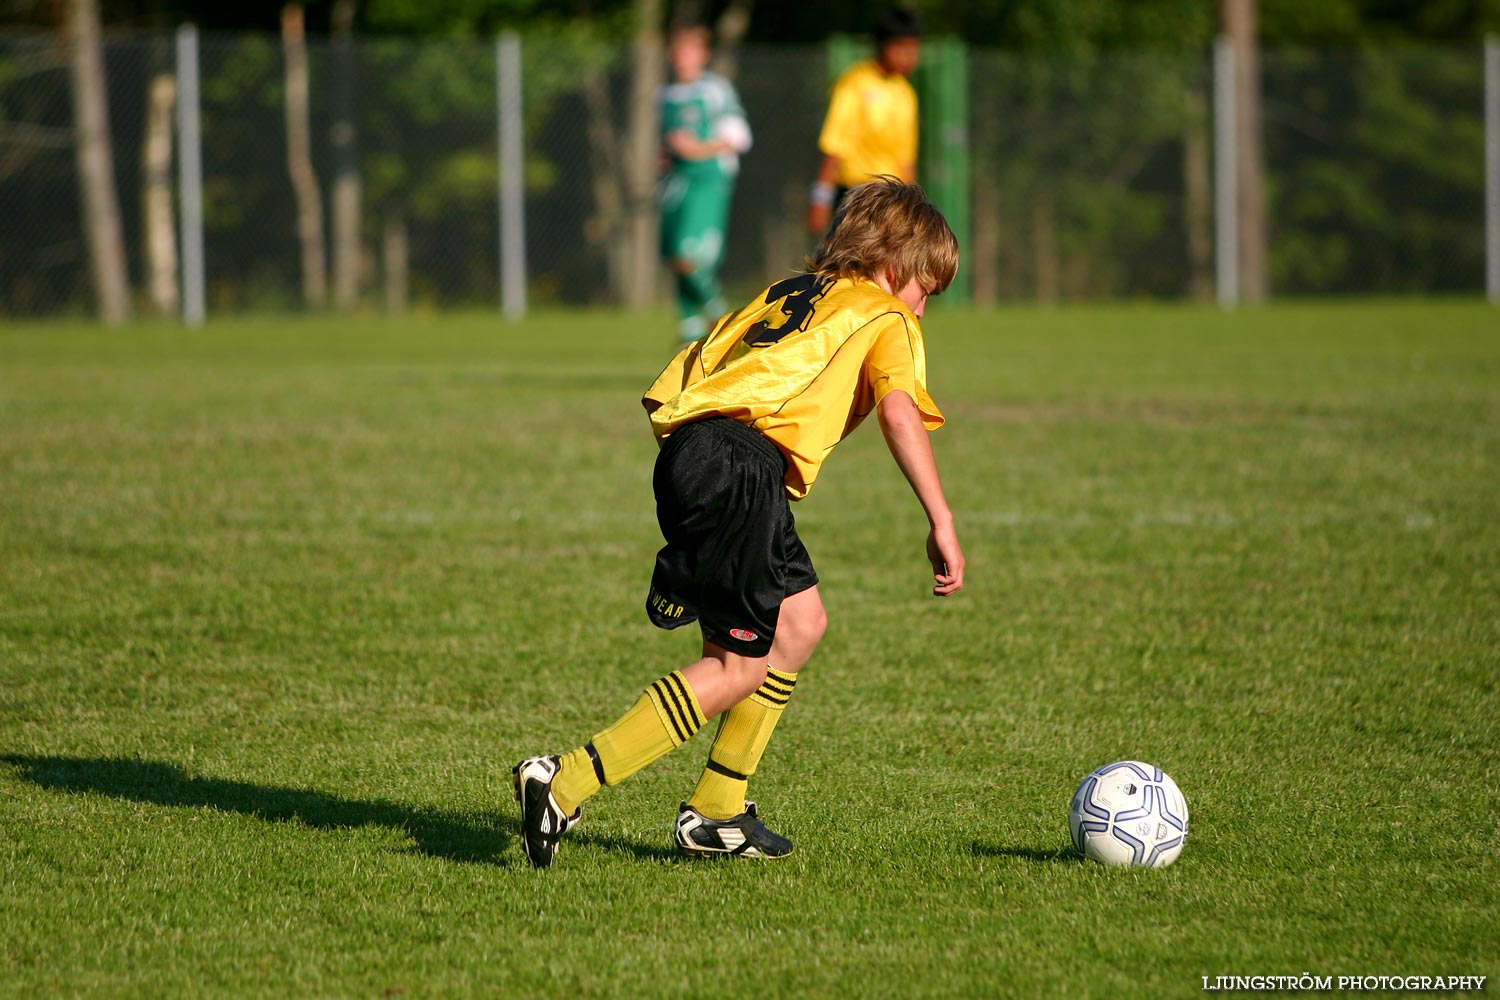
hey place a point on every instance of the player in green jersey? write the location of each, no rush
(703, 132)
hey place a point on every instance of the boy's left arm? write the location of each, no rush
(906, 436)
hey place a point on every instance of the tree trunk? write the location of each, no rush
(607, 225)
(101, 205)
(158, 230)
(983, 251)
(643, 150)
(299, 159)
(1239, 24)
(1044, 246)
(395, 246)
(981, 258)
(1197, 202)
(346, 184)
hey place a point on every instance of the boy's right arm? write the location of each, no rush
(901, 422)
(820, 199)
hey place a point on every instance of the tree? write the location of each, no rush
(625, 161)
(643, 152)
(159, 234)
(347, 195)
(1239, 28)
(299, 159)
(101, 205)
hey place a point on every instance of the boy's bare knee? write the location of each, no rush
(749, 675)
(818, 625)
(810, 624)
(800, 634)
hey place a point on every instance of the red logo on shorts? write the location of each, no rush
(743, 634)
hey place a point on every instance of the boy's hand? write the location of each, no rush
(818, 217)
(685, 146)
(947, 560)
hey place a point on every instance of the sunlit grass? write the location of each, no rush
(281, 601)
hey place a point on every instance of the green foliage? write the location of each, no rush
(1048, 25)
(483, 18)
(1076, 25)
(1376, 163)
(1359, 22)
(1090, 134)
(280, 603)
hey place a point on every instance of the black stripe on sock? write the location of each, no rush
(598, 764)
(718, 768)
(666, 706)
(767, 694)
(675, 706)
(687, 701)
(771, 687)
(780, 683)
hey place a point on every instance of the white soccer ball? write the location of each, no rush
(1129, 813)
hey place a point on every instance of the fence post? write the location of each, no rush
(942, 80)
(1492, 167)
(190, 162)
(1226, 178)
(512, 176)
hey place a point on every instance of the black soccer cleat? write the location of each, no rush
(542, 822)
(743, 836)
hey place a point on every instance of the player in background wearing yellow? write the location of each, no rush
(704, 133)
(745, 418)
(871, 126)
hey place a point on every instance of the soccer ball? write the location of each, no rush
(1129, 813)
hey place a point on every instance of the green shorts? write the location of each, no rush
(694, 215)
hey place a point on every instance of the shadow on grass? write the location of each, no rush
(441, 834)
(646, 852)
(1064, 855)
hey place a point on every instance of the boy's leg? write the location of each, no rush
(691, 323)
(708, 513)
(666, 716)
(676, 231)
(697, 252)
(551, 789)
(745, 730)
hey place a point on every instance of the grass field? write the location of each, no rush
(282, 601)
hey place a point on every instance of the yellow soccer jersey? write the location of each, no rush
(871, 125)
(803, 363)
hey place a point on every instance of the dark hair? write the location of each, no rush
(897, 22)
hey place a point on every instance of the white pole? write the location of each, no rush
(1492, 167)
(190, 160)
(1226, 179)
(512, 168)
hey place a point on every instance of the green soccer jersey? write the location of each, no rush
(707, 108)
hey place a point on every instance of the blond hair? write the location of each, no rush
(888, 223)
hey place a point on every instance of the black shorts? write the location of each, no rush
(732, 553)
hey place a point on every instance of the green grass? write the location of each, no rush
(281, 602)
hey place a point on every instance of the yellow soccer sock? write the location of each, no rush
(662, 719)
(743, 734)
(576, 780)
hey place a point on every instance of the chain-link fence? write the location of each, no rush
(365, 174)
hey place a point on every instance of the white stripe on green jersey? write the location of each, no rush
(707, 107)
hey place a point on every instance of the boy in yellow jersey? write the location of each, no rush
(745, 418)
(871, 126)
